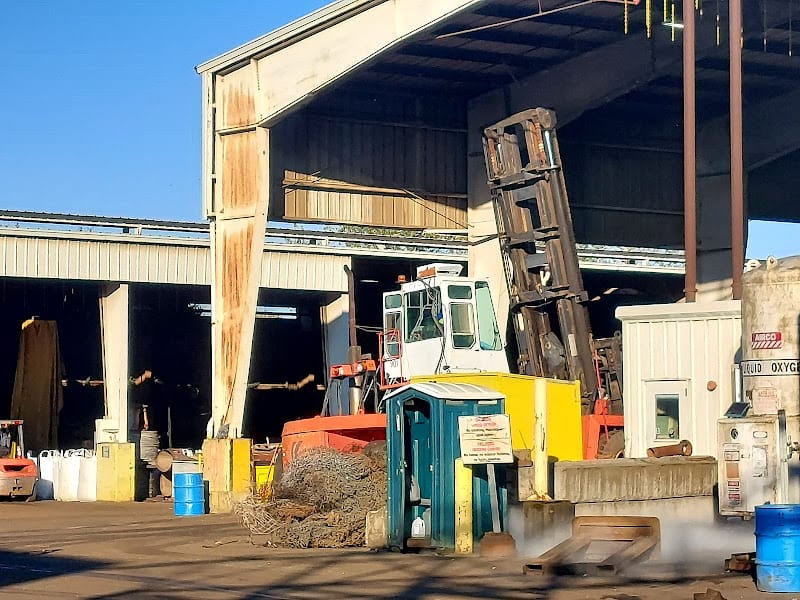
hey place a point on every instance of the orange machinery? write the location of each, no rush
(347, 433)
(18, 474)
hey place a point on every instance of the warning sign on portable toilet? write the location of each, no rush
(485, 439)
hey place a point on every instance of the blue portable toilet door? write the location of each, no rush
(418, 463)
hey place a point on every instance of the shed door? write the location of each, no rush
(668, 411)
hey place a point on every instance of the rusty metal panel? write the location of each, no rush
(239, 185)
(236, 248)
(236, 98)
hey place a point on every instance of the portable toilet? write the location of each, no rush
(422, 446)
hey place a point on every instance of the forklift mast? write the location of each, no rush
(532, 211)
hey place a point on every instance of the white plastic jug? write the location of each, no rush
(87, 478)
(69, 470)
(48, 474)
(418, 528)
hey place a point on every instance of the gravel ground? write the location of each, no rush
(140, 550)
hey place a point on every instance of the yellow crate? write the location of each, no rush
(264, 475)
(564, 427)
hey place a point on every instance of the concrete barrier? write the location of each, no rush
(631, 479)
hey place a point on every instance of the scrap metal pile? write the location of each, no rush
(321, 501)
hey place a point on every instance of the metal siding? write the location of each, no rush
(625, 178)
(97, 260)
(357, 171)
(691, 347)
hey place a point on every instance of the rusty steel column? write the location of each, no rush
(689, 153)
(737, 158)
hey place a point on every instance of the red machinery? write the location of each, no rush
(18, 474)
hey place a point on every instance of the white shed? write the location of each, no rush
(679, 376)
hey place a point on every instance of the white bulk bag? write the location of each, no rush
(87, 478)
(69, 470)
(48, 474)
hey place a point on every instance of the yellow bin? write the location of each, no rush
(564, 427)
(264, 475)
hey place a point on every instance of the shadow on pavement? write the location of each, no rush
(24, 567)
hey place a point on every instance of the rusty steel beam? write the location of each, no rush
(689, 152)
(737, 152)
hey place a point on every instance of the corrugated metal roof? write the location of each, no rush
(138, 259)
(451, 391)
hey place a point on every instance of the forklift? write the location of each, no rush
(18, 474)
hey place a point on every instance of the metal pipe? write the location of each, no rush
(737, 157)
(541, 487)
(351, 311)
(689, 152)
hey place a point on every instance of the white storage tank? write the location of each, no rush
(770, 354)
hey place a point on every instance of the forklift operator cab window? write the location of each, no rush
(488, 331)
(7, 439)
(424, 319)
(463, 328)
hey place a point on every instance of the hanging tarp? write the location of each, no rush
(38, 395)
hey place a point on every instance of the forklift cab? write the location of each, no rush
(18, 474)
(11, 440)
(440, 323)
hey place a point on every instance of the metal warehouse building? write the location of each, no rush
(370, 113)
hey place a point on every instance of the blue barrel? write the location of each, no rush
(187, 492)
(778, 547)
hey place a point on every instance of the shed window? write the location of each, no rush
(668, 411)
(668, 417)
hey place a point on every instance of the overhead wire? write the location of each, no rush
(536, 15)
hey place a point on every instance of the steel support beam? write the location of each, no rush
(578, 85)
(115, 336)
(772, 130)
(737, 144)
(689, 152)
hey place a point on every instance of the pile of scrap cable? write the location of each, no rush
(320, 501)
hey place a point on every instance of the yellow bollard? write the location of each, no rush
(463, 506)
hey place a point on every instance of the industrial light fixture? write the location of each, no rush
(672, 25)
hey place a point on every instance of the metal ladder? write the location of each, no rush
(531, 206)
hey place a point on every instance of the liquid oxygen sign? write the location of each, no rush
(763, 368)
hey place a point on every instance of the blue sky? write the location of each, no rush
(101, 104)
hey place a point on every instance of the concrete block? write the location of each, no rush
(521, 483)
(227, 466)
(691, 530)
(695, 510)
(377, 533)
(635, 479)
(220, 502)
(217, 464)
(544, 525)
